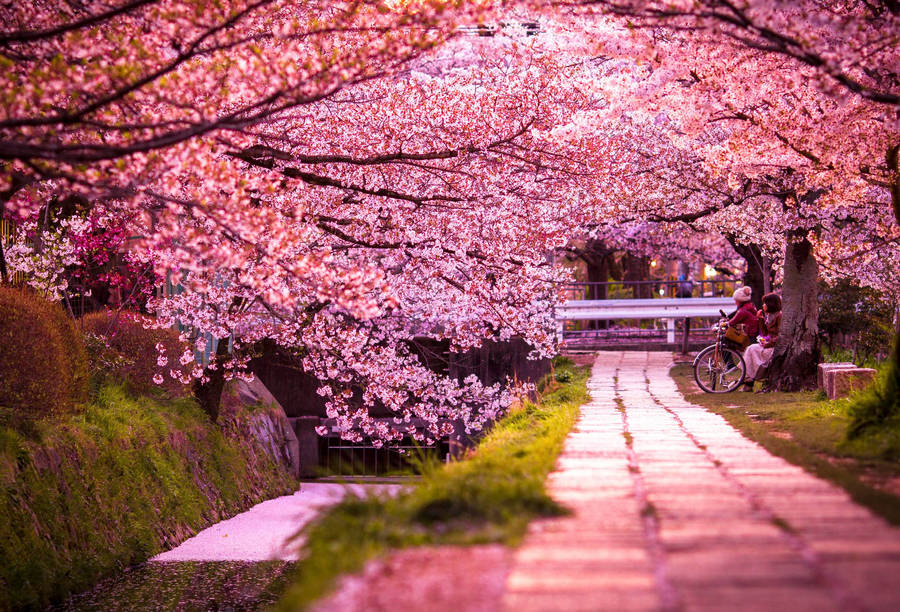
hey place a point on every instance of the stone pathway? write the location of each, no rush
(673, 509)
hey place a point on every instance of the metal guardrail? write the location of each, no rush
(660, 308)
(668, 309)
(650, 289)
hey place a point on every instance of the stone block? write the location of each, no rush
(825, 367)
(840, 383)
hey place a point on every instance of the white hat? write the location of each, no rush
(742, 294)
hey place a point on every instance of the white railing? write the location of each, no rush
(669, 309)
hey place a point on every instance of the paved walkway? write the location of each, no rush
(676, 510)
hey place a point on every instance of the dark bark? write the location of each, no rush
(797, 353)
(4, 273)
(755, 275)
(892, 158)
(209, 394)
(596, 257)
(637, 269)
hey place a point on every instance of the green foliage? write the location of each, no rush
(879, 404)
(563, 376)
(43, 364)
(126, 479)
(121, 349)
(490, 496)
(856, 319)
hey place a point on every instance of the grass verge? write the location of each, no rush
(811, 432)
(490, 496)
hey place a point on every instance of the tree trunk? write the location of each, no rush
(637, 269)
(597, 272)
(893, 164)
(797, 354)
(209, 394)
(596, 256)
(759, 273)
(4, 273)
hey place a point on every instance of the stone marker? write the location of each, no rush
(839, 383)
(825, 367)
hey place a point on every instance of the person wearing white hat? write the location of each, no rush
(746, 313)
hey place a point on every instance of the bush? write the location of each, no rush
(880, 403)
(122, 348)
(858, 319)
(43, 362)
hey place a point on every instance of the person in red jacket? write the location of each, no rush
(744, 319)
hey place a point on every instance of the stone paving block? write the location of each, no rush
(857, 548)
(873, 582)
(540, 579)
(621, 600)
(738, 565)
(550, 553)
(758, 599)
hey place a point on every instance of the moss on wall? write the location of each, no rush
(87, 495)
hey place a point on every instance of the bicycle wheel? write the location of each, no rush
(719, 373)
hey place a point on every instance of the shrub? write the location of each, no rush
(122, 348)
(43, 361)
(874, 406)
(858, 319)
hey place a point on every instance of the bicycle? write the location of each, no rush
(719, 368)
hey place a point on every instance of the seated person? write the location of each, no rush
(757, 356)
(745, 318)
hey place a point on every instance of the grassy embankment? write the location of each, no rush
(812, 432)
(490, 496)
(88, 494)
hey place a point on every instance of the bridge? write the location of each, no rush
(619, 302)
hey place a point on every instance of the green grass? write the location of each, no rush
(810, 431)
(876, 410)
(89, 494)
(490, 496)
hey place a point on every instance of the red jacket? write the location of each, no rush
(746, 315)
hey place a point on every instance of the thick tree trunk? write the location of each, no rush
(209, 394)
(797, 354)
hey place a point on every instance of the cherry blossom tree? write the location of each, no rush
(798, 99)
(341, 177)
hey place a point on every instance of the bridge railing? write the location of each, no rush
(623, 290)
(615, 310)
